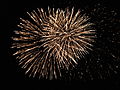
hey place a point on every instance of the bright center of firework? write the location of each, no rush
(64, 38)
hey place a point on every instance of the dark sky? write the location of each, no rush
(14, 75)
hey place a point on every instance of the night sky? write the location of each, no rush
(106, 49)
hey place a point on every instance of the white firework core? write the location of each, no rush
(52, 41)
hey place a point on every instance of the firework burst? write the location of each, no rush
(52, 41)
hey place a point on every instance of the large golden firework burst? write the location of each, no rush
(52, 41)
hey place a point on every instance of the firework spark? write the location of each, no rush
(52, 41)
